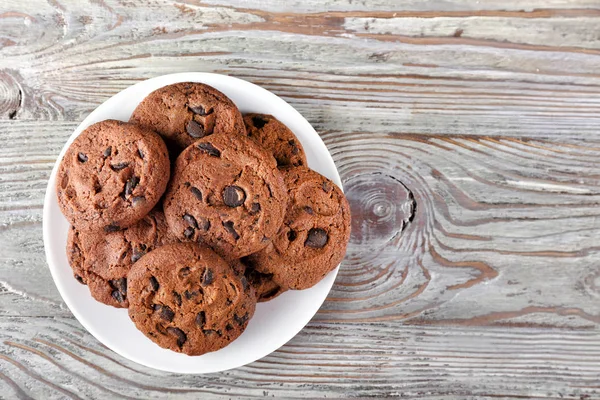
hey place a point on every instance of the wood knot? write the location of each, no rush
(591, 283)
(382, 207)
(11, 94)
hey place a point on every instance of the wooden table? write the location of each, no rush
(467, 134)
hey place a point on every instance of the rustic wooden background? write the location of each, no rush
(467, 134)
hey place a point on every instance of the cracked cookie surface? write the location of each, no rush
(186, 298)
(111, 176)
(185, 112)
(313, 238)
(227, 192)
(102, 260)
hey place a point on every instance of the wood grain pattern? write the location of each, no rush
(467, 137)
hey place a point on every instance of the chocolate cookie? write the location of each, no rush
(274, 136)
(226, 191)
(185, 112)
(184, 297)
(312, 240)
(111, 176)
(102, 260)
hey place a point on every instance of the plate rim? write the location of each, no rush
(50, 193)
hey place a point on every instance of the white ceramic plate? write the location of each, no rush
(274, 323)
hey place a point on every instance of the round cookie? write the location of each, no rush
(102, 260)
(226, 191)
(185, 112)
(111, 176)
(186, 298)
(312, 240)
(274, 136)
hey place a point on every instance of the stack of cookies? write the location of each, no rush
(190, 213)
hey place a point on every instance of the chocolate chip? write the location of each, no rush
(178, 333)
(245, 284)
(229, 227)
(292, 235)
(195, 130)
(82, 157)
(207, 277)
(119, 287)
(240, 320)
(188, 295)
(254, 208)
(183, 272)
(186, 184)
(112, 228)
(119, 166)
(138, 200)
(131, 184)
(234, 196)
(203, 224)
(295, 149)
(190, 220)
(259, 122)
(137, 254)
(120, 284)
(154, 283)
(228, 327)
(196, 192)
(317, 238)
(199, 110)
(165, 312)
(177, 298)
(201, 319)
(141, 153)
(209, 149)
(117, 296)
(80, 279)
(309, 210)
(189, 232)
(107, 152)
(326, 187)
(97, 187)
(211, 332)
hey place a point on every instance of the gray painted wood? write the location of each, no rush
(474, 273)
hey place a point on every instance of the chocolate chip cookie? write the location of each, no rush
(274, 136)
(185, 112)
(312, 240)
(102, 260)
(226, 191)
(186, 298)
(111, 176)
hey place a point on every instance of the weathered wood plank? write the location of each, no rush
(333, 360)
(453, 86)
